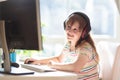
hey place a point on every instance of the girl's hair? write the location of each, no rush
(85, 26)
(83, 21)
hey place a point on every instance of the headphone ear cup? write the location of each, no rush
(85, 32)
(64, 25)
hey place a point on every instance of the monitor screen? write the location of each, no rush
(22, 24)
(20, 27)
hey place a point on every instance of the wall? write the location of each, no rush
(118, 28)
(118, 21)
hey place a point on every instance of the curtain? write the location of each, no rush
(118, 5)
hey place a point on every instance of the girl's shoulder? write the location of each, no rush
(86, 48)
(85, 45)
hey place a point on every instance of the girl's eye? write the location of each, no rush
(75, 29)
(68, 27)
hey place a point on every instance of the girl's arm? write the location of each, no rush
(76, 66)
(41, 61)
(44, 61)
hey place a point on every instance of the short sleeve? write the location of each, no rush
(87, 50)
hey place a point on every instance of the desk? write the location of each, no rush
(57, 75)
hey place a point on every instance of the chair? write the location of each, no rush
(109, 53)
(116, 67)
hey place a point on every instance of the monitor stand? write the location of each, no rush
(6, 57)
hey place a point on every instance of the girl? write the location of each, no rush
(79, 55)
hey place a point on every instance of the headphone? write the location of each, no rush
(86, 29)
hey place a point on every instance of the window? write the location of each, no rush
(54, 12)
(101, 13)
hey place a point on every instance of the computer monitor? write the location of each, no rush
(22, 22)
(20, 27)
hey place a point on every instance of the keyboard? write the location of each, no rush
(38, 68)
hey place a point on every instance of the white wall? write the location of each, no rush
(118, 28)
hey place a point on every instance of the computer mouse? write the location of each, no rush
(13, 64)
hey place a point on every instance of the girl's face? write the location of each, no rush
(73, 32)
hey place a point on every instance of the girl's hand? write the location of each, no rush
(29, 61)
